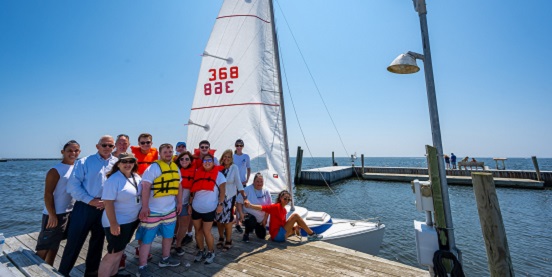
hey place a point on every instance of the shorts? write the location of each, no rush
(157, 225)
(281, 236)
(118, 243)
(206, 217)
(184, 211)
(49, 239)
(226, 216)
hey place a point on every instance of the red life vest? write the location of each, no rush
(144, 160)
(187, 175)
(198, 163)
(204, 180)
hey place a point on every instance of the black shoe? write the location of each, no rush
(187, 239)
(239, 229)
(245, 237)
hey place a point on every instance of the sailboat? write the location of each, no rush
(239, 95)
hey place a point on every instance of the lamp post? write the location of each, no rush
(406, 64)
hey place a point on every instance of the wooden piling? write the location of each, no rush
(333, 158)
(536, 164)
(362, 161)
(298, 164)
(492, 226)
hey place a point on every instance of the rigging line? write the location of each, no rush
(312, 78)
(305, 139)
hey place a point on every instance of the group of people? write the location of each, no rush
(116, 195)
(450, 160)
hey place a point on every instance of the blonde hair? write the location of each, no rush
(227, 151)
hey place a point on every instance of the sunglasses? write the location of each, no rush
(108, 145)
(239, 145)
(208, 161)
(145, 142)
(131, 161)
(204, 147)
(287, 199)
(185, 159)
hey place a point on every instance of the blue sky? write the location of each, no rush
(82, 69)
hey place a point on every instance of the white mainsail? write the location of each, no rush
(237, 93)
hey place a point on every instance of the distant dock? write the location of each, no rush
(502, 178)
(255, 258)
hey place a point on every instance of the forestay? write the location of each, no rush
(237, 93)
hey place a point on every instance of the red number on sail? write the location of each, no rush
(222, 73)
(213, 74)
(207, 89)
(218, 87)
(228, 90)
(234, 72)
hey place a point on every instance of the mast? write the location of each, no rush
(282, 108)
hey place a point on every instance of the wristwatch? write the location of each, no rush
(220, 204)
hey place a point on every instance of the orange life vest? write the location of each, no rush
(187, 175)
(144, 160)
(198, 163)
(205, 180)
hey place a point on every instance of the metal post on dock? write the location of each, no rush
(362, 160)
(333, 158)
(492, 226)
(298, 165)
(536, 164)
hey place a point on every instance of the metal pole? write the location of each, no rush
(420, 7)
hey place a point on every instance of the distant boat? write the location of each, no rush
(239, 95)
(3, 160)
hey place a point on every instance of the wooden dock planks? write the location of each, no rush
(255, 258)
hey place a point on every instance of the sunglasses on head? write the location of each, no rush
(204, 147)
(127, 161)
(145, 142)
(185, 159)
(104, 145)
(208, 161)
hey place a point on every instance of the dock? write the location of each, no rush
(502, 178)
(254, 258)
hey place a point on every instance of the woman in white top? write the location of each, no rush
(121, 198)
(58, 204)
(225, 219)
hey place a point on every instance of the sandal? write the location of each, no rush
(227, 246)
(220, 242)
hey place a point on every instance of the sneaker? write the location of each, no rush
(179, 251)
(168, 261)
(187, 239)
(239, 229)
(122, 263)
(200, 255)
(143, 272)
(245, 237)
(314, 237)
(210, 257)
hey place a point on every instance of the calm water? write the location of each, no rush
(527, 214)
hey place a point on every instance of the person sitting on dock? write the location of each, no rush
(254, 219)
(58, 204)
(280, 228)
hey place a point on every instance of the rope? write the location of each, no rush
(439, 268)
(301, 128)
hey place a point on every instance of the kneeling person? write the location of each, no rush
(161, 202)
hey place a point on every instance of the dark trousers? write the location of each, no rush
(250, 223)
(84, 219)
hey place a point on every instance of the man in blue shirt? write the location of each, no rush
(453, 160)
(86, 185)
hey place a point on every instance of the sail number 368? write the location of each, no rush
(221, 77)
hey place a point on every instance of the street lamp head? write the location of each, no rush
(404, 64)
